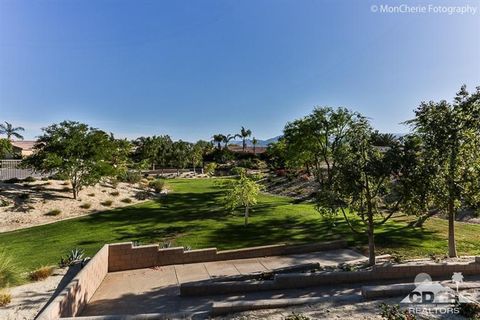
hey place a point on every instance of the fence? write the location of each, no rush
(10, 169)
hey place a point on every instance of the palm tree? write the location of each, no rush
(228, 138)
(218, 139)
(10, 131)
(244, 134)
(254, 142)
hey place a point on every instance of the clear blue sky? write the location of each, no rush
(192, 68)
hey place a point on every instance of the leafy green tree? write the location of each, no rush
(450, 133)
(199, 151)
(254, 143)
(81, 153)
(10, 131)
(276, 154)
(316, 139)
(156, 150)
(242, 193)
(361, 183)
(383, 139)
(181, 152)
(5, 147)
(218, 139)
(244, 134)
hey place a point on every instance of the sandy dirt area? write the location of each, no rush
(30, 298)
(40, 202)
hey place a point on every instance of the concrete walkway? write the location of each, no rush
(156, 290)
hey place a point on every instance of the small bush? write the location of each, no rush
(73, 256)
(4, 202)
(54, 212)
(296, 316)
(9, 272)
(40, 273)
(157, 185)
(29, 179)
(5, 298)
(281, 172)
(12, 180)
(210, 168)
(86, 205)
(66, 189)
(393, 312)
(24, 196)
(126, 200)
(66, 183)
(469, 310)
(131, 177)
(107, 203)
(91, 194)
(115, 193)
(236, 171)
(114, 183)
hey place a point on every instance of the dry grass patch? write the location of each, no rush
(126, 200)
(5, 298)
(115, 193)
(54, 212)
(107, 203)
(86, 205)
(40, 273)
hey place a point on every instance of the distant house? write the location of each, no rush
(249, 149)
(21, 149)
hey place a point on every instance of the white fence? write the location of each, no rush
(10, 169)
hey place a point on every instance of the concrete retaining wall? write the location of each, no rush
(302, 280)
(78, 292)
(124, 256)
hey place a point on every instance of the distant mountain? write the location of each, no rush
(260, 143)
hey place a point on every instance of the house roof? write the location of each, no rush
(24, 144)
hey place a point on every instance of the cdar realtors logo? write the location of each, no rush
(429, 294)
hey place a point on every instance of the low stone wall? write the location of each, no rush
(301, 280)
(125, 256)
(78, 292)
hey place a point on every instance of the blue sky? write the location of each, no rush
(192, 68)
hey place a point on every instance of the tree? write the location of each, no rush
(10, 131)
(156, 150)
(227, 139)
(383, 139)
(244, 134)
(180, 154)
(5, 147)
(81, 153)
(361, 183)
(254, 142)
(218, 139)
(200, 150)
(316, 139)
(450, 134)
(242, 193)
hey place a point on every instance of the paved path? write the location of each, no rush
(156, 290)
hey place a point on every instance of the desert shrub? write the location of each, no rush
(157, 185)
(91, 194)
(58, 176)
(281, 172)
(66, 183)
(44, 178)
(114, 182)
(40, 273)
(4, 202)
(29, 179)
(12, 180)
(107, 203)
(238, 171)
(9, 272)
(65, 189)
(296, 316)
(115, 193)
(126, 200)
(86, 205)
(54, 212)
(5, 298)
(257, 176)
(131, 177)
(72, 257)
(393, 312)
(469, 310)
(210, 168)
(24, 196)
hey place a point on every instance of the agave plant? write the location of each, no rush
(75, 255)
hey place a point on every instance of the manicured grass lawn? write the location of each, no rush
(192, 215)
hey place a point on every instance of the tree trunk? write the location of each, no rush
(371, 245)
(244, 145)
(452, 249)
(246, 216)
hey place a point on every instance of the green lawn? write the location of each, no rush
(193, 215)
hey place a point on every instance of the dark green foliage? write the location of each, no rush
(157, 185)
(393, 312)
